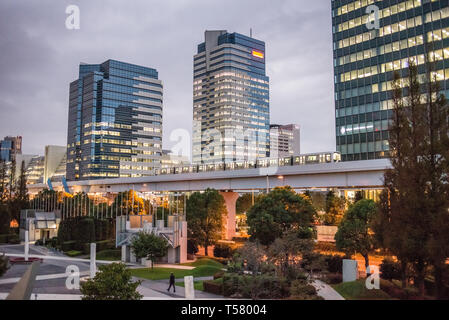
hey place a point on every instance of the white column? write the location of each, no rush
(27, 245)
(93, 254)
(350, 270)
(189, 288)
(124, 253)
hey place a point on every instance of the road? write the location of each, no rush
(51, 278)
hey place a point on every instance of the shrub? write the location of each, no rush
(255, 287)
(4, 264)
(218, 274)
(223, 250)
(213, 287)
(105, 245)
(3, 238)
(390, 269)
(192, 247)
(301, 290)
(85, 231)
(112, 282)
(68, 246)
(334, 263)
(13, 239)
(334, 278)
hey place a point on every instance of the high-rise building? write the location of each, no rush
(284, 140)
(115, 122)
(10, 147)
(170, 160)
(368, 49)
(231, 110)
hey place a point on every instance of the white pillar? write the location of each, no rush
(93, 254)
(350, 270)
(27, 245)
(124, 253)
(189, 288)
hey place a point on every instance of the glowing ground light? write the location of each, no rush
(258, 54)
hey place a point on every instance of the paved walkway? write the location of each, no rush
(160, 287)
(326, 291)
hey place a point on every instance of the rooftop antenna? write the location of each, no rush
(250, 32)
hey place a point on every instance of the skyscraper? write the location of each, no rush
(230, 99)
(115, 121)
(367, 52)
(284, 140)
(10, 147)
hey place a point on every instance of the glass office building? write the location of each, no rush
(115, 122)
(366, 56)
(230, 99)
(10, 147)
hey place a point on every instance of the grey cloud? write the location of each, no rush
(39, 57)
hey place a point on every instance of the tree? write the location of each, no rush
(12, 179)
(287, 253)
(279, 211)
(3, 185)
(21, 199)
(413, 209)
(335, 208)
(5, 219)
(245, 202)
(354, 234)
(150, 246)
(129, 203)
(205, 213)
(358, 196)
(112, 282)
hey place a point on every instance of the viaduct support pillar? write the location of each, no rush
(229, 221)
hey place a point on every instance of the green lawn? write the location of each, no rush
(198, 285)
(109, 255)
(204, 262)
(164, 273)
(357, 291)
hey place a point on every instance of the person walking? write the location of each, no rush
(172, 283)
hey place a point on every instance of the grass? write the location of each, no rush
(198, 285)
(73, 253)
(204, 262)
(109, 255)
(357, 291)
(164, 273)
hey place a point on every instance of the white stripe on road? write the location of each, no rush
(44, 277)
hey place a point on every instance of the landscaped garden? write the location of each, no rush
(203, 268)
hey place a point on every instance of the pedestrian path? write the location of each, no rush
(326, 291)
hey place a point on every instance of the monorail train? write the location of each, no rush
(314, 158)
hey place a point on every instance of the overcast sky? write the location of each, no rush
(39, 57)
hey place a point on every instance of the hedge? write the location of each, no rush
(68, 246)
(214, 287)
(9, 238)
(101, 245)
(223, 250)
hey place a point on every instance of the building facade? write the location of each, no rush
(10, 147)
(284, 140)
(115, 122)
(367, 52)
(231, 116)
(170, 160)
